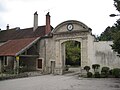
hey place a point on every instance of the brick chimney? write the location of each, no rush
(48, 27)
(35, 24)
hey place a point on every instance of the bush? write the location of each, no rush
(95, 67)
(97, 75)
(87, 68)
(89, 74)
(111, 72)
(104, 75)
(116, 72)
(105, 69)
(105, 72)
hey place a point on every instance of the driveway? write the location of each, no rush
(60, 82)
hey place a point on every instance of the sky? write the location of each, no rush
(93, 13)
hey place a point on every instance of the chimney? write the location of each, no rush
(35, 21)
(7, 27)
(48, 27)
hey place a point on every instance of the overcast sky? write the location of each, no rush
(93, 13)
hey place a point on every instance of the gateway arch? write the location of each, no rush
(66, 31)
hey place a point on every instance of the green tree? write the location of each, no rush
(113, 33)
(73, 55)
(116, 43)
(117, 5)
(116, 40)
(107, 35)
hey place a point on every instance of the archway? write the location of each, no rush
(70, 31)
(71, 56)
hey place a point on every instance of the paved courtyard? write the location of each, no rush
(60, 82)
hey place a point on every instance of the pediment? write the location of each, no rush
(71, 26)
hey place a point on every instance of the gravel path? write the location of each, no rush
(60, 82)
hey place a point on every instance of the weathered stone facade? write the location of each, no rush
(55, 49)
(92, 52)
(47, 52)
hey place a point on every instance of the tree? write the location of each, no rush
(107, 35)
(116, 43)
(113, 33)
(117, 5)
(73, 55)
(116, 40)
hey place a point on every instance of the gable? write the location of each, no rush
(77, 26)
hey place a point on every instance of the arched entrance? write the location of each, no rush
(71, 56)
(70, 31)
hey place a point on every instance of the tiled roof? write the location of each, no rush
(18, 39)
(13, 47)
(12, 34)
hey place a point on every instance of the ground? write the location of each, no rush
(60, 82)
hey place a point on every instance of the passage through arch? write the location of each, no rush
(71, 55)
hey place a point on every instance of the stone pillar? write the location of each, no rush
(58, 68)
(63, 55)
(84, 54)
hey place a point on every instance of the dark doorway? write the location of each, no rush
(39, 66)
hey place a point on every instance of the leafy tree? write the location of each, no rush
(117, 5)
(113, 33)
(116, 43)
(107, 35)
(116, 40)
(73, 55)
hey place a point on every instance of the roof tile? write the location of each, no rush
(11, 47)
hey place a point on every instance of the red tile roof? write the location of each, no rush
(12, 34)
(17, 39)
(13, 47)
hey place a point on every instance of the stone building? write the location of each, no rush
(42, 48)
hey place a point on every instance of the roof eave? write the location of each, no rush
(27, 47)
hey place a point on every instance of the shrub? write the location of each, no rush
(89, 74)
(104, 75)
(111, 72)
(95, 67)
(97, 75)
(116, 72)
(105, 69)
(105, 72)
(87, 68)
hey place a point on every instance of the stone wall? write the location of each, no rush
(91, 53)
(104, 54)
